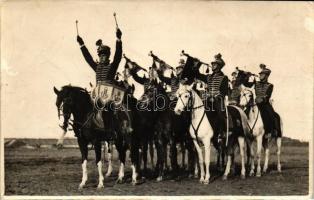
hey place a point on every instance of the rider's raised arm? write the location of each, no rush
(88, 57)
(164, 79)
(137, 78)
(249, 84)
(117, 55)
(117, 58)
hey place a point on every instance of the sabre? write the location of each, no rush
(115, 19)
(76, 22)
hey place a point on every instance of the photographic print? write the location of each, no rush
(156, 99)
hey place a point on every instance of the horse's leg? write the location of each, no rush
(144, 155)
(61, 139)
(84, 151)
(252, 160)
(227, 169)
(165, 155)
(151, 154)
(97, 147)
(259, 140)
(230, 153)
(122, 154)
(207, 159)
(200, 160)
(183, 152)
(134, 159)
(108, 148)
(160, 156)
(173, 157)
(248, 152)
(241, 147)
(265, 144)
(196, 167)
(218, 158)
(191, 157)
(278, 141)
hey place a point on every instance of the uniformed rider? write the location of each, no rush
(217, 89)
(263, 91)
(105, 71)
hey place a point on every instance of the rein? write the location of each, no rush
(251, 105)
(194, 108)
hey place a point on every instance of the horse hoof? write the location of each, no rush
(59, 146)
(224, 177)
(242, 176)
(251, 173)
(264, 171)
(202, 180)
(100, 186)
(81, 186)
(119, 181)
(279, 169)
(107, 175)
(159, 178)
(195, 176)
(134, 182)
(258, 174)
(206, 182)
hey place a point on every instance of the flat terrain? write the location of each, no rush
(49, 171)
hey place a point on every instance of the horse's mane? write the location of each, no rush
(74, 89)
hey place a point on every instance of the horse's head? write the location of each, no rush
(184, 94)
(64, 100)
(247, 96)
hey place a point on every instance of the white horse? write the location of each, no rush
(257, 130)
(200, 129)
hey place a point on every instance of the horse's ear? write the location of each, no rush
(189, 87)
(56, 90)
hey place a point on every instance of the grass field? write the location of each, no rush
(49, 171)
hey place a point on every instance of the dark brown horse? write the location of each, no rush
(76, 101)
(153, 123)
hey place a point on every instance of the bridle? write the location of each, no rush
(66, 101)
(250, 105)
(190, 103)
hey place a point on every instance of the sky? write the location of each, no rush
(39, 51)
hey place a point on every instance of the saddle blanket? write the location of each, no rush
(105, 92)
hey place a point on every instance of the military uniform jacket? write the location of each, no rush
(263, 90)
(104, 71)
(217, 83)
(234, 93)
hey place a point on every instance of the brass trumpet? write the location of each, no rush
(187, 55)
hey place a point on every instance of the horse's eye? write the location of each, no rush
(186, 96)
